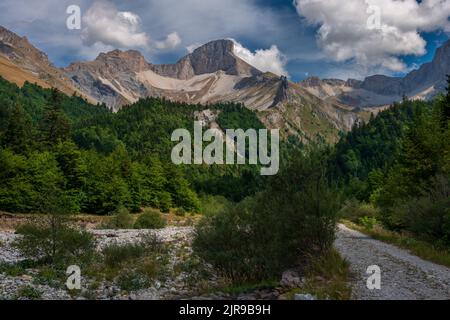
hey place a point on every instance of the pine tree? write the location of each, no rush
(18, 135)
(445, 107)
(55, 126)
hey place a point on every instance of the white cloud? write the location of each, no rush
(105, 24)
(266, 60)
(192, 47)
(344, 33)
(171, 42)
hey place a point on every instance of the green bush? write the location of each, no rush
(354, 211)
(150, 219)
(13, 270)
(28, 293)
(428, 215)
(368, 222)
(128, 280)
(287, 225)
(212, 205)
(117, 254)
(133, 266)
(55, 244)
(51, 277)
(121, 219)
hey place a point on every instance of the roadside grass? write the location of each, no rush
(327, 278)
(422, 249)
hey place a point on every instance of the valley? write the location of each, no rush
(96, 172)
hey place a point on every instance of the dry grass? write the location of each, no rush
(10, 221)
(14, 74)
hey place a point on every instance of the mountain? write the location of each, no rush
(213, 73)
(378, 90)
(20, 61)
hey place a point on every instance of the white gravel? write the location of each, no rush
(7, 253)
(166, 235)
(403, 276)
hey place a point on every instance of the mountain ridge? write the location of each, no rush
(380, 90)
(213, 73)
(20, 61)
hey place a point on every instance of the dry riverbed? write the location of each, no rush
(184, 276)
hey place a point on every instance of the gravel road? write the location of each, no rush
(403, 276)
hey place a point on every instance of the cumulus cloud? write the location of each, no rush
(374, 32)
(171, 42)
(105, 24)
(266, 60)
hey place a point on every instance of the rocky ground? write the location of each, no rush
(403, 276)
(187, 284)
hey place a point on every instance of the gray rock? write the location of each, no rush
(290, 279)
(305, 297)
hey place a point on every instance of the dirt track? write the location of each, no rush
(403, 276)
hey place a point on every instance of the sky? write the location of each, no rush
(296, 38)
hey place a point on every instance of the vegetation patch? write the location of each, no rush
(28, 293)
(327, 278)
(150, 219)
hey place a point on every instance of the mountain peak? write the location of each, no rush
(116, 60)
(214, 56)
(117, 53)
(19, 48)
(221, 46)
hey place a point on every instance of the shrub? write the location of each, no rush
(134, 265)
(354, 211)
(180, 212)
(13, 270)
(116, 254)
(54, 245)
(288, 224)
(428, 215)
(368, 222)
(29, 293)
(121, 219)
(51, 277)
(212, 205)
(150, 219)
(128, 280)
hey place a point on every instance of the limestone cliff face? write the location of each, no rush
(209, 58)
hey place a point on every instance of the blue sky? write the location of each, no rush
(326, 38)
